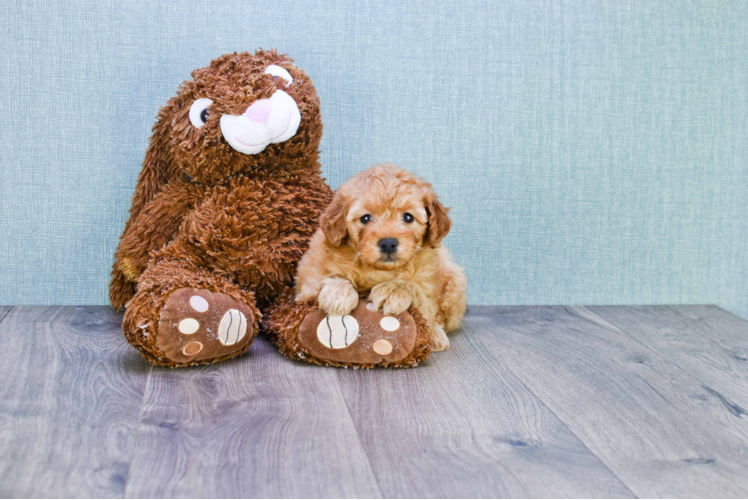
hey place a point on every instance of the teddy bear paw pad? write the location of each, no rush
(366, 336)
(200, 325)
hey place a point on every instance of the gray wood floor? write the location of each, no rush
(648, 401)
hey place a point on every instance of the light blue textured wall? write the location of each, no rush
(594, 152)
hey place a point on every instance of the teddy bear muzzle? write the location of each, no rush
(266, 121)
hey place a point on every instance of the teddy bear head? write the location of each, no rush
(241, 114)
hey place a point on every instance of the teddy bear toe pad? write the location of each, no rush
(199, 325)
(366, 336)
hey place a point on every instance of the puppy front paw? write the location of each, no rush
(337, 297)
(391, 298)
(439, 340)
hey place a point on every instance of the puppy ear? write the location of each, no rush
(333, 222)
(439, 221)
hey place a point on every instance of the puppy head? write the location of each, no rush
(242, 113)
(387, 215)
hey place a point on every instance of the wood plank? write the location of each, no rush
(721, 326)
(255, 426)
(651, 423)
(462, 425)
(705, 341)
(4, 310)
(69, 402)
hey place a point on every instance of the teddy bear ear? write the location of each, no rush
(156, 172)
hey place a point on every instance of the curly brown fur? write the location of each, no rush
(205, 213)
(346, 257)
(283, 319)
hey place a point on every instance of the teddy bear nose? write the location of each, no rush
(259, 111)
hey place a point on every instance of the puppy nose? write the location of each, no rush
(388, 245)
(259, 111)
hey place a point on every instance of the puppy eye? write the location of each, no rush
(407, 217)
(199, 112)
(366, 219)
(277, 71)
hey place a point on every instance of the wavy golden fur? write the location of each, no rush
(346, 258)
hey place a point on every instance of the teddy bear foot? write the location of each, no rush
(198, 325)
(366, 337)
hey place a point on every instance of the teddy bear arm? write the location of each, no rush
(253, 231)
(154, 227)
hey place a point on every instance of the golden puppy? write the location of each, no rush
(381, 234)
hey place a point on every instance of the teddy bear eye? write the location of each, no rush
(199, 112)
(365, 219)
(408, 217)
(277, 71)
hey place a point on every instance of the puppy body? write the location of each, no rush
(352, 252)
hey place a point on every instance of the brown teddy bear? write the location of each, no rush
(229, 195)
